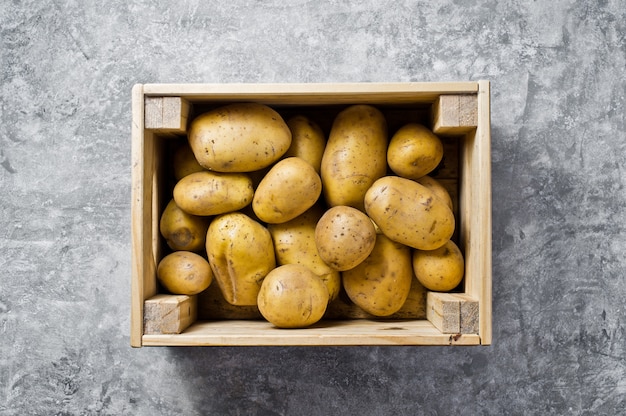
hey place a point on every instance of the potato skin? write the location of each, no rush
(294, 243)
(414, 151)
(355, 155)
(183, 231)
(307, 141)
(212, 193)
(344, 237)
(437, 188)
(239, 137)
(441, 269)
(290, 187)
(409, 213)
(184, 273)
(381, 283)
(292, 296)
(241, 254)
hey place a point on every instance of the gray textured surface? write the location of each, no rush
(559, 153)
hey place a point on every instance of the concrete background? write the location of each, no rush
(559, 153)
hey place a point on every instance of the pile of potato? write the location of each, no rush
(284, 218)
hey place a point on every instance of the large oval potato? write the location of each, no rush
(355, 155)
(414, 151)
(290, 187)
(241, 254)
(344, 237)
(409, 213)
(440, 270)
(212, 193)
(292, 296)
(184, 273)
(381, 283)
(307, 140)
(239, 137)
(294, 243)
(183, 231)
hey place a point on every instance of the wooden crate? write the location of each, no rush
(459, 112)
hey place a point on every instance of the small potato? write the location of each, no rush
(440, 270)
(184, 273)
(409, 213)
(241, 254)
(239, 137)
(307, 141)
(183, 231)
(184, 162)
(291, 187)
(355, 155)
(292, 296)
(438, 189)
(381, 283)
(212, 193)
(294, 243)
(414, 151)
(344, 237)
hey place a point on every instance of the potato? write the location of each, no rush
(292, 296)
(183, 231)
(441, 269)
(437, 188)
(184, 273)
(212, 193)
(241, 254)
(239, 137)
(381, 283)
(294, 243)
(409, 213)
(355, 155)
(184, 162)
(307, 141)
(344, 237)
(291, 187)
(414, 151)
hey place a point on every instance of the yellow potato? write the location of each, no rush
(184, 162)
(184, 273)
(183, 231)
(355, 155)
(307, 140)
(241, 254)
(344, 237)
(291, 187)
(409, 213)
(292, 296)
(414, 151)
(239, 137)
(212, 193)
(294, 243)
(437, 188)
(381, 283)
(441, 269)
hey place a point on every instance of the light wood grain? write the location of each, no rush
(167, 115)
(453, 313)
(455, 114)
(346, 332)
(169, 314)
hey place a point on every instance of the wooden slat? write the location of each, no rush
(169, 314)
(314, 93)
(452, 313)
(347, 332)
(455, 114)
